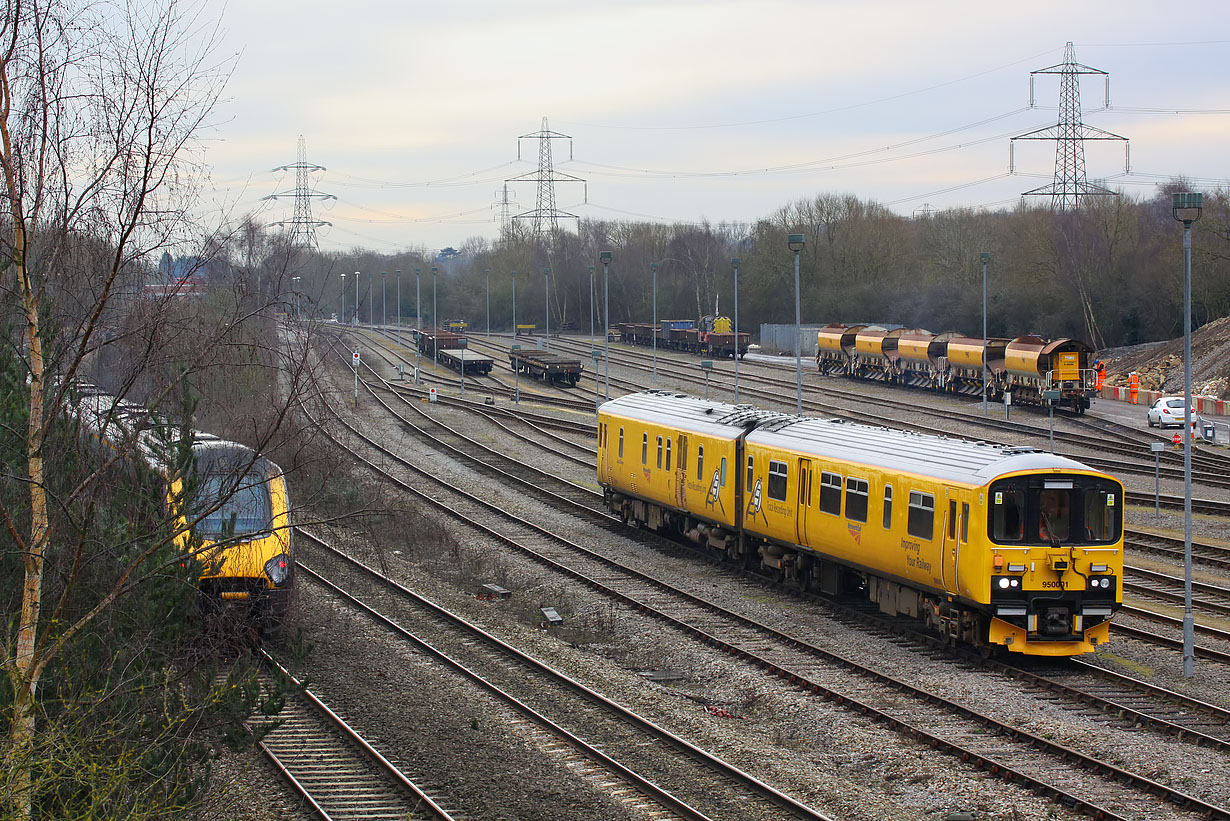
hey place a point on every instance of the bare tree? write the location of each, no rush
(100, 107)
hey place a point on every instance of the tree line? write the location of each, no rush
(1109, 273)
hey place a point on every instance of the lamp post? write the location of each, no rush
(418, 322)
(653, 266)
(371, 300)
(795, 242)
(435, 323)
(341, 317)
(399, 307)
(356, 298)
(295, 294)
(591, 319)
(1186, 209)
(515, 347)
(546, 296)
(985, 257)
(735, 263)
(605, 258)
(487, 274)
(384, 299)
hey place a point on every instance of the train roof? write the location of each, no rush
(940, 457)
(720, 419)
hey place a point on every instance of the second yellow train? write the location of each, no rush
(991, 546)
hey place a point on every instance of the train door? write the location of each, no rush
(962, 541)
(804, 511)
(948, 559)
(681, 473)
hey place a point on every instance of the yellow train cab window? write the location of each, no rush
(644, 448)
(659, 451)
(668, 454)
(964, 522)
(700, 462)
(1101, 515)
(920, 520)
(777, 480)
(751, 476)
(621, 443)
(722, 480)
(952, 518)
(830, 493)
(856, 499)
(1007, 513)
(888, 507)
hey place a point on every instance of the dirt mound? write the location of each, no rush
(1160, 364)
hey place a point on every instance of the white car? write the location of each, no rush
(1169, 410)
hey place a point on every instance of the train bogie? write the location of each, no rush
(988, 545)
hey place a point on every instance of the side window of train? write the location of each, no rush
(920, 521)
(952, 518)
(644, 448)
(888, 507)
(856, 499)
(621, 443)
(777, 481)
(964, 522)
(722, 475)
(683, 453)
(830, 493)
(700, 463)
(659, 451)
(668, 453)
(750, 475)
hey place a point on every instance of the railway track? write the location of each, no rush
(576, 726)
(947, 726)
(336, 771)
(1206, 597)
(1214, 555)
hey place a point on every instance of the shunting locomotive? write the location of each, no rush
(990, 546)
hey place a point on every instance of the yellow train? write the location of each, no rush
(236, 520)
(989, 545)
(229, 507)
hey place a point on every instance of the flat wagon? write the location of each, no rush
(547, 366)
(466, 361)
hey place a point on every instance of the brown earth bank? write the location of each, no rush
(1160, 364)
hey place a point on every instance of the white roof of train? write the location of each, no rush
(941, 457)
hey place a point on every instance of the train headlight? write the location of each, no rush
(1104, 583)
(1005, 582)
(278, 569)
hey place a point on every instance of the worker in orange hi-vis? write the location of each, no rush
(1099, 369)
(1133, 387)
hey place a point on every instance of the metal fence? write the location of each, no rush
(1215, 431)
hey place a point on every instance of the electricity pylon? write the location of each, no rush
(544, 213)
(1069, 135)
(302, 226)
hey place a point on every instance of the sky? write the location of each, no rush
(692, 111)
